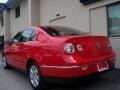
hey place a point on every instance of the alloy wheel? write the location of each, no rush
(34, 76)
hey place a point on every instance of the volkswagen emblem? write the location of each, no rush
(98, 45)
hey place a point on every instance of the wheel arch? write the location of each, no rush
(29, 61)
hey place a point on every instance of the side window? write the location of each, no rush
(16, 39)
(26, 35)
(33, 36)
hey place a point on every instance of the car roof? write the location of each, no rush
(52, 26)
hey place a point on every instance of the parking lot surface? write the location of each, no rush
(15, 80)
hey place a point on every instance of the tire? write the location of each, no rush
(35, 77)
(4, 63)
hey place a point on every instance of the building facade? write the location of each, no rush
(99, 17)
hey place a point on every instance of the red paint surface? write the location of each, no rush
(46, 50)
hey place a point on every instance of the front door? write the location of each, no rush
(11, 49)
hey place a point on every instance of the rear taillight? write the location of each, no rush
(69, 48)
(79, 47)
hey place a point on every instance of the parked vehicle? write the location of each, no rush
(1, 45)
(61, 52)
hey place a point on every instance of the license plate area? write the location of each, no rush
(102, 66)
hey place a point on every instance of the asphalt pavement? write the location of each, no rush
(16, 80)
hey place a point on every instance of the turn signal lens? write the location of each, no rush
(69, 48)
(79, 47)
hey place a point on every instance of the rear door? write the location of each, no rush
(22, 49)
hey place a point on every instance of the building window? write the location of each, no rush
(114, 20)
(2, 22)
(17, 11)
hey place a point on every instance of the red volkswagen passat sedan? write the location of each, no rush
(61, 52)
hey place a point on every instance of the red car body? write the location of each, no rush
(49, 54)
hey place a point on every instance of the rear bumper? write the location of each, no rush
(72, 80)
(74, 71)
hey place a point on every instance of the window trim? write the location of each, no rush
(30, 35)
(107, 7)
(35, 35)
(33, 29)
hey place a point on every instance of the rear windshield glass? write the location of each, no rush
(63, 31)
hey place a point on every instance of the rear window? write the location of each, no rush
(62, 31)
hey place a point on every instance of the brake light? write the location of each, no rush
(69, 48)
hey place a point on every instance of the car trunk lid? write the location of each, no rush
(93, 46)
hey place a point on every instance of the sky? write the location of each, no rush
(3, 1)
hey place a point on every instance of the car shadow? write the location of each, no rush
(107, 81)
(83, 84)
